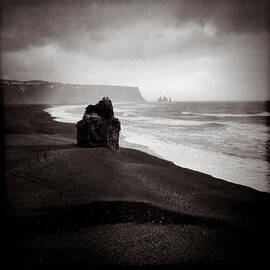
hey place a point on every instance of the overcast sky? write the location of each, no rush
(187, 50)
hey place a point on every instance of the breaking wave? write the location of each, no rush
(262, 114)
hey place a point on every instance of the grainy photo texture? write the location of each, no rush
(135, 133)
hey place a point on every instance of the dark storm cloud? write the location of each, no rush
(82, 24)
(229, 16)
(32, 23)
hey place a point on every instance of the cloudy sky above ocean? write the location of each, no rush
(188, 50)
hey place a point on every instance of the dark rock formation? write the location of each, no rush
(99, 127)
(164, 99)
(103, 108)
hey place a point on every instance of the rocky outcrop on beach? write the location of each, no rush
(99, 127)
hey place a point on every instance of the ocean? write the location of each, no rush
(229, 140)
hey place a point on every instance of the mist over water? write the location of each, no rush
(228, 140)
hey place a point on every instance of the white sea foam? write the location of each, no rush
(263, 114)
(165, 121)
(234, 169)
(117, 110)
(178, 122)
(66, 114)
(130, 114)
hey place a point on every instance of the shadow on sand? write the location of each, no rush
(71, 218)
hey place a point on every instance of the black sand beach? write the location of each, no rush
(78, 207)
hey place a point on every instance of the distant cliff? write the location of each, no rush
(59, 93)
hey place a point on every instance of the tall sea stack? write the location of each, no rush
(99, 127)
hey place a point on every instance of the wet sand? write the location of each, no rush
(74, 206)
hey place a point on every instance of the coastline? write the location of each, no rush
(62, 117)
(126, 208)
(216, 157)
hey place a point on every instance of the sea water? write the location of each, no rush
(229, 140)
